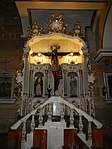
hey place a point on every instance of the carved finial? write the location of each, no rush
(78, 30)
(56, 24)
(34, 30)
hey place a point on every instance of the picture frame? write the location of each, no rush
(108, 85)
(6, 86)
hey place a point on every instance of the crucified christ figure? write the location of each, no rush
(57, 73)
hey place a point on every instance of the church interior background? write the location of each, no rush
(56, 60)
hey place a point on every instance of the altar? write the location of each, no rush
(56, 63)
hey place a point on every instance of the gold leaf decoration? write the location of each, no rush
(35, 30)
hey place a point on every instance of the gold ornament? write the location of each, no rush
(35, 30)
(56, 24)
(78, 30)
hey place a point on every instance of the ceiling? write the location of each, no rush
(18, 15)
(70, 17)
(72, 11)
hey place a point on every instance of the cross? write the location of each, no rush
(5, 62)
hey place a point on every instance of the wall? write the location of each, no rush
(107, 40)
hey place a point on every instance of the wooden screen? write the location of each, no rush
(69, 137)
(98, 138)
(15, 135)
(40, 139)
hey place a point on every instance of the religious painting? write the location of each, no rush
(5, 86)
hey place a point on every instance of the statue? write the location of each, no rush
(73, 87)
(49, 91)
(54, 58)
(38, 87)
(56, 69)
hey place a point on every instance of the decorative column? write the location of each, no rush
(31, 83)
(24, 131)
(26, 71)
(71, 118)
(23, 139)
(22, 106)
(62, 112)
(49, 112)
(89, 131)
(33, 122)
(85, 72)
(25, 104)
(81, 82)
(46, 82)
(64, 82)
(41, 118)
(80, 124)
(91, 81)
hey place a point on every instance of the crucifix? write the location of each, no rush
(5, 62)
(56, 69)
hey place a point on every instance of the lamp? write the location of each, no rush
(104, 90)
